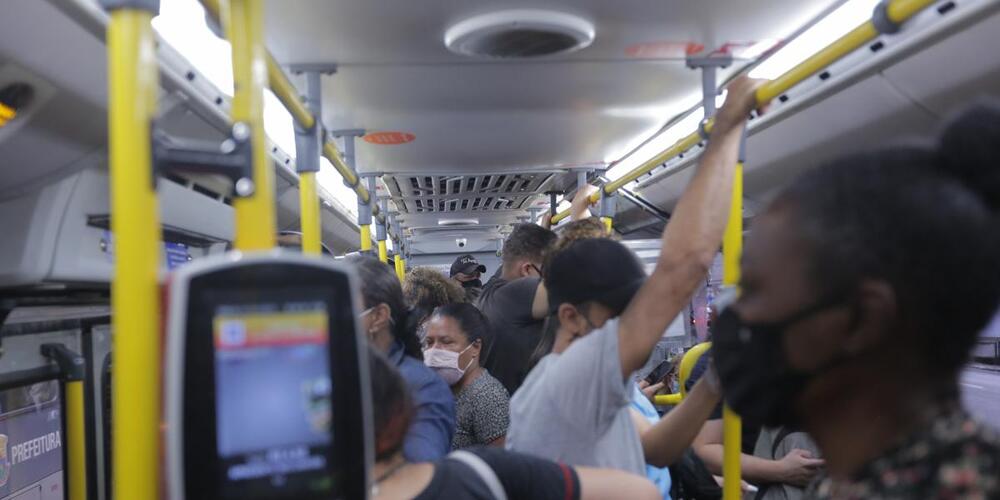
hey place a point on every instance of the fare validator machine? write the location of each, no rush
(267, 393)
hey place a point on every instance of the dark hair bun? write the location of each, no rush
(970, 150)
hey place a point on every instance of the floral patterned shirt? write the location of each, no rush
(954, 457)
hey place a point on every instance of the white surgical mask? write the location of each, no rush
(445, 363)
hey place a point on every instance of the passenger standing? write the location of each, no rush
(864, 286)
(467, 271)
(573, 405)
(452, 348)
(515, 303)
(425, 289)
(385, 322)
(477, 473)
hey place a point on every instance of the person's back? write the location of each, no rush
(562, 414)
(512, 303)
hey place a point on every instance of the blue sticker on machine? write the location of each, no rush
(177, 254)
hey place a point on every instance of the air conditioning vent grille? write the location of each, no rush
(463, 193)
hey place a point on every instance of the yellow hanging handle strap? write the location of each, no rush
(690, 358)
(135, 306)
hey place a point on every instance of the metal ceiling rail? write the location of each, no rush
(288, 95)
(893, 14)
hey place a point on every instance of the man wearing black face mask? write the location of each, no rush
(467, 271)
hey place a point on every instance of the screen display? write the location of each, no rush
(273, 391)
(31, 442)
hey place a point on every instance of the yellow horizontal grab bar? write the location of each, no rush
(899, 11)
(667, 399)
(331, 153)
(286, 93)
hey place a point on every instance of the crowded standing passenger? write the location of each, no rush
(385, 321)
(425, 289)
(574, 404)
(515, 303)
(467, 271)
(478, 473)
(452, 347)
(865, 284)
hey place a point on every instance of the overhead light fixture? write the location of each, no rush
(458, 222)
(823, 33)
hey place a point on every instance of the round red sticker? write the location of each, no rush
(387, 138)
(663, 50)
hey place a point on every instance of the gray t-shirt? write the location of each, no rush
(573, 407)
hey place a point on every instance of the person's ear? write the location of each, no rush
(524, 269)
(571, 320)
(876, 313)
(476, 349)
(381, 317)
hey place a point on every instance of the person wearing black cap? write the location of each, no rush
(466, 270)
(574, 405)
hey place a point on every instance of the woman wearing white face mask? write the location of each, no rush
(452, 348)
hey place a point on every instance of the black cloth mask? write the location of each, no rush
(472, 284)
(757, 382)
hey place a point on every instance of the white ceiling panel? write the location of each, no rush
(474, 115)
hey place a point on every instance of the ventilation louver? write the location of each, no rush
(519, 33)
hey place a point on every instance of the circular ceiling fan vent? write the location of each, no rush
(519, 33)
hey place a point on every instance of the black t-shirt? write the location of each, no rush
(522, 476)
(507, 304)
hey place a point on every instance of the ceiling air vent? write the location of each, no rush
(519, 33)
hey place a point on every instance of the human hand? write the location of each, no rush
(650, 390)
(546, 220)
(799, 468)
(741, 99)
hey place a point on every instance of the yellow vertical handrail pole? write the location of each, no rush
(732, 243)
(732, 249)
(308, 150)
(400, 267)
(374, 203)
(72, 370)
(309, 208)
(366, 237)
(255, 214)
(76, 441)
(132, 92)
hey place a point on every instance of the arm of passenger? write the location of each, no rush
(429, 437)
(693, 235)
(492, 418)
(610, 484)
(708, 446)
(580, 209)
(540, 304)
(664, 443)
